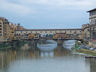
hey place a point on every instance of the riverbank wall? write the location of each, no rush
(92, 44)
(87, 47)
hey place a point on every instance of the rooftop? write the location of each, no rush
(92, 10)
(2, 18)
(46, 29)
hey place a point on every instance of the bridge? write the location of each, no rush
(59, 35)
(55, 34)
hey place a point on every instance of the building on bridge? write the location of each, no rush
(23, 34)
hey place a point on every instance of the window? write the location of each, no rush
(93, 13)
(0, 34)
(80, 31)
(0, 31)
(95, 21)
(0, 25)
(0, 28)
(21, 31)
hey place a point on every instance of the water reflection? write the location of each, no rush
(92, 63)
(48, 45)
(69, 44)
(31, 59)
(47, 54)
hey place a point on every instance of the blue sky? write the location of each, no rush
(45, 14)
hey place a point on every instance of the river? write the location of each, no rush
(49, 57)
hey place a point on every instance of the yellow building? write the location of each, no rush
(12, 30)
(14, 27)
(4, 29)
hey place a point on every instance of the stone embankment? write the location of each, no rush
(92, 44)
(88, 47)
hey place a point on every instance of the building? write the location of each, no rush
(92, 23)
(19, 27)
(86, 31)
(23, 34)
(12, 30)
(92, 16)
(4, 29)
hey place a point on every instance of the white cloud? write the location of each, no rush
(74, 3)
(14, 8)
(24, 7)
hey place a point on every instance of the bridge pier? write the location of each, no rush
(60, 42)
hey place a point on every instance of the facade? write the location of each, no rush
(92, 16)
(4, 29)
(12, 30)
(86, 31)
(92, 24)
(19, 27)
(7, 30)
(23, 34)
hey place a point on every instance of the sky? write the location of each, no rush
(47, 14)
